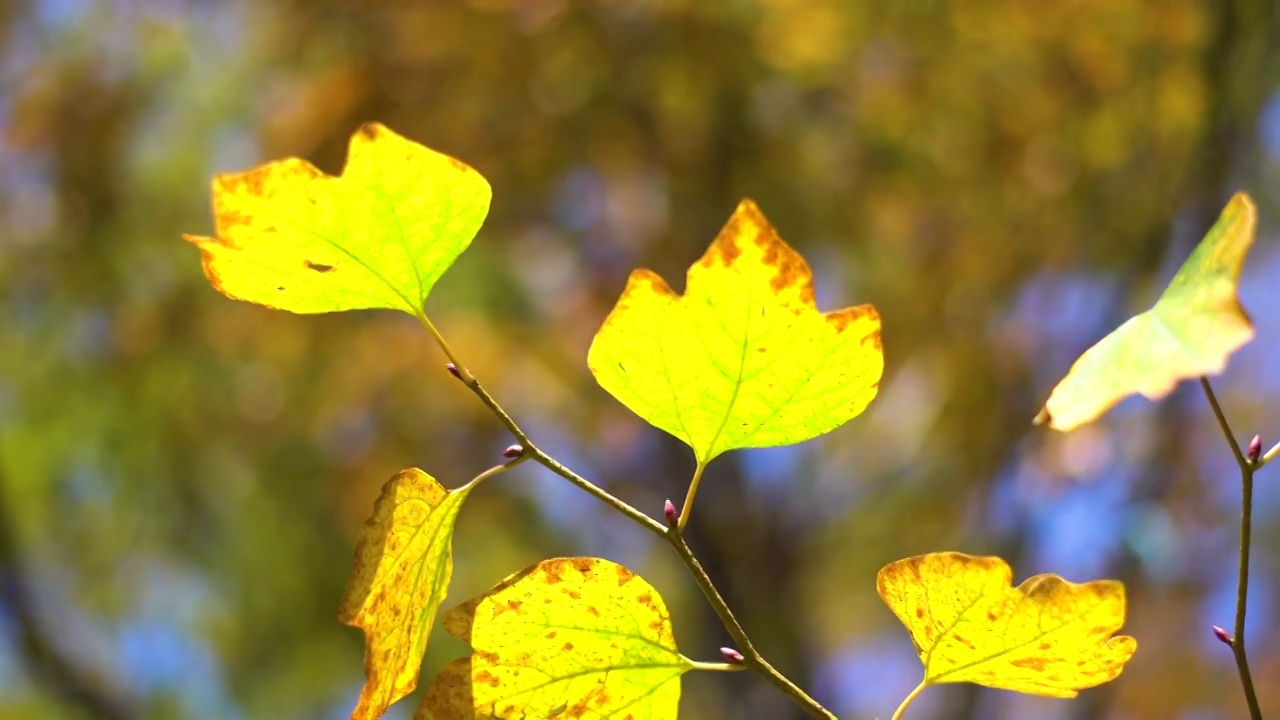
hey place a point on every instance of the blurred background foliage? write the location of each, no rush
(183, 476)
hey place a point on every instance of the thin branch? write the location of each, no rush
(539, 456)
(1222, 422)
(751, 657)
(1247, 469)
(1242, 594)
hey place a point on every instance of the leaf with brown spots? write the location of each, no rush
(1045, 637)
(402, 567)
(290, 237)
(743, 358)
(569, 638)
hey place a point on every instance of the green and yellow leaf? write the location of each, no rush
(569, 637)
(1193, 329)
(743, 358)
(402, 567)
(290, 237)
(1045, 637)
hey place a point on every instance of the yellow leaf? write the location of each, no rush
(569, 637)
(743, 358)
(1045, 637)
(380, 236)
(1194, 327)
(402, 567)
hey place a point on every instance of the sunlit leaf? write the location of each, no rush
(402, 567)
(1194, 327)
(569, 637)
(743, 358)
(380, 236)
(1045, 637)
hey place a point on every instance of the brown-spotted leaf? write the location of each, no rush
(581, 638)
(1046, 636)
(743, 358)
(402, 567)
(289, 236)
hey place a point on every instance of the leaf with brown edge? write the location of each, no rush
(743, 358)
(581, 638)
(402, 567)
(290, 237)
(1046, 636)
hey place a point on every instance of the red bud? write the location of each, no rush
(453, 370)
(1222, 635)
(731, 656)
(1255, 449)
(513, 452)
(669, 511)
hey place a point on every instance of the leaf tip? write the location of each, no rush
(1241, 202)
(371, 130)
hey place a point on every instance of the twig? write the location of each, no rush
(751, 657)
(1247, 468)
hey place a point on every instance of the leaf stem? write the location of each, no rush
(687, 508)
(464, 374)
(497, 470)
(717, 666)
(897, 714)
(1268, 456)
(1247, 470)
(751, 657)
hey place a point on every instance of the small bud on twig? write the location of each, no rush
(513, 452)
(453, 370)
(669, 511)
(1222, 635)
(1255, 449)
(731, 656)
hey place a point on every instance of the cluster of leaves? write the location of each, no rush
(742, 359)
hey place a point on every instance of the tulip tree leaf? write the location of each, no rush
(567, 638)
(1194, 327)
(743, 358)
(1045, 637)
(402, 567)
(380, 236)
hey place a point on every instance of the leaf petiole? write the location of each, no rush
(693, 492)
(897, 714)
(1268, 456)
(717, 666)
